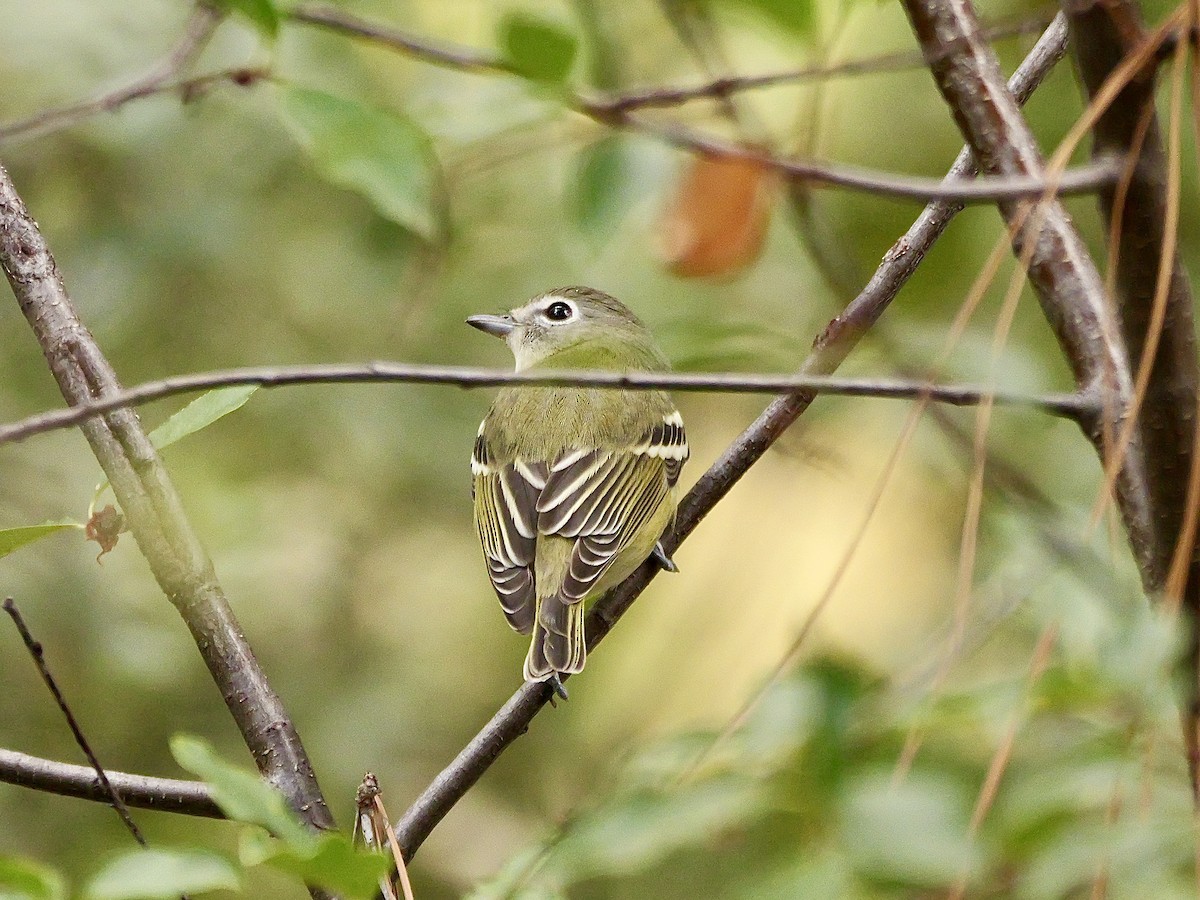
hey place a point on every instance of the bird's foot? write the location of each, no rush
(557, 689)
(659, 555)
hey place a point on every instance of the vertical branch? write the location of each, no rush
(154, 510)
(1065, 277)
(1103, 35)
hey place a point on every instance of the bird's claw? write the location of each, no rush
(659, 555)
(557, 689)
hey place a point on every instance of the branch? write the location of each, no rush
(200, 27)
(191, 798)
(154, 511)
(39, 660)
(613, 114)
(1071, 406)
(829, 350)
(1060, 269)
(1104, 35)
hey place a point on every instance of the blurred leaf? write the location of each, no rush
(382, 155)
(149, 874)
(597, 196)
(262, 13)
(14, 538)
(638, 829)
(24, 879)
(537, 48)
(796, 17)
(201, 413)
(603, 52)
(332, 862)
(914, 832)
(242, 794)
(717, 220)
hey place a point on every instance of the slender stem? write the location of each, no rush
(1072, 406)
(613, 113)
(39, 660)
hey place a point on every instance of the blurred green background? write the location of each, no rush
(203, 235)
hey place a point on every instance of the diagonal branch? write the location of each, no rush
(154, 511)
(831, 347)
(1073, 406)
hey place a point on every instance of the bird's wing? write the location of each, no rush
(601, 498)
(506, 515)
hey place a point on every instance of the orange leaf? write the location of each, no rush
(717, 220)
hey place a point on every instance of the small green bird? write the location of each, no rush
(573, 487)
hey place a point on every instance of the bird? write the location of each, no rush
(573, 487)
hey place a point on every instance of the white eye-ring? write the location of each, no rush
(558, 311)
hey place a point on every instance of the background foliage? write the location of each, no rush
(243, 228)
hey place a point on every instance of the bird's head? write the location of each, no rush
(575, 327)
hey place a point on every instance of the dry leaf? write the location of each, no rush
(718, 218)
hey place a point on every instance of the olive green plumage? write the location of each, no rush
(573, 486)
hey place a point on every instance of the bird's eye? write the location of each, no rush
(558, 311)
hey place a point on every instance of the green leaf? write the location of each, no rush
(333, 862)
(242, 794)
(147, 874)
(536, 48)
(201, 413)
(23, 879)
(382, 155)
(797, 17)
(14, 538)
(597, 198)
(262, 13)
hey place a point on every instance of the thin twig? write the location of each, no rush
(1072, 406)
(192, 798)
(717, 88)
(832, 346)
(199, 29)
(988, 189)
(39, 660)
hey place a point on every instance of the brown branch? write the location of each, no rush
(829, 350)
(1064, 276)
(191, 798)
(1104, 35)
(1071, 406)
(154, 511)
(200, 27)
(613, 114)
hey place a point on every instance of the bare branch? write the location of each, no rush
(614, 114)
(1104, 35)
(200, 27)
(154, 511)
(1071, 406)
(719, 88)
(191, 798)
(39, 660)
(1061, 270)
(829, 350)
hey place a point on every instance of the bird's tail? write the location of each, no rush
(558, 640)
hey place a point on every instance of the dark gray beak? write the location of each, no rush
(497, 326)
